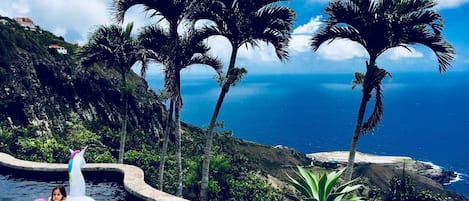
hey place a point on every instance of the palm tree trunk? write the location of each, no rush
(124, 120)
(211, 127)
(356, 134)
(165, 146)
(208, 145)
(366, 94)
(178, 149)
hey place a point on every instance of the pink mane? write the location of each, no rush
(74, 153)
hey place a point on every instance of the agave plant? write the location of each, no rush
(321, 187)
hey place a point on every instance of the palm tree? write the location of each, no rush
(242, 22)
(116, 47)
(379, 25)
(173, 11)
(188, 49)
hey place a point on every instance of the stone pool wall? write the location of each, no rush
(133, 177)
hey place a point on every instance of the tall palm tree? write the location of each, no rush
(379, 25)
(115, 46)
(173, 12)
(188, 49)
(242, 22)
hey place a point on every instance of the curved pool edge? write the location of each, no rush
(133, 176)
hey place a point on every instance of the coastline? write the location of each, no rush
(335, 159)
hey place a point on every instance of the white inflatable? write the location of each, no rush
(76, 180)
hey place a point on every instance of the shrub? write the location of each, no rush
(321, 187)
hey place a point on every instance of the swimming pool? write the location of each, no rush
(17, 185)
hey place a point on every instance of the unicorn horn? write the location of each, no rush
(84, 148)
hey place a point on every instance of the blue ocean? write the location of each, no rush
(426, 115)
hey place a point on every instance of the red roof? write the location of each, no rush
(24, 20)
(54, 46)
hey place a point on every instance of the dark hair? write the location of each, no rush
(61, 189)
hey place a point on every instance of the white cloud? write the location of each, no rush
(398, 53)
(341, 49)
(72, 19)
(20, 7)
(302, 35)
(140, 18)
(450, 3)
(61, 16)
(344, 49)
(203, 23)
(311, 27)
(263, 53)
(300, 43)
(220, 47)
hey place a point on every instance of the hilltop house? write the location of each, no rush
(3, 21)
(58, 48)
(26, 23)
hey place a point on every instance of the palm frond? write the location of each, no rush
(335, 32)
(443, 50)
(171, 10)
(156, 41)
(245, 22)
(383, 24)
(114, 46)
(210, 61)
(235, 75)
(359, 79)
(277, 23)
(374, 80)
(120, 7)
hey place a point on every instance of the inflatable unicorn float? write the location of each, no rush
(76, 179)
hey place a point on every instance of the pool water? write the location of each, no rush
(13, 188)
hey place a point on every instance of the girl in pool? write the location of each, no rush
(58, 194)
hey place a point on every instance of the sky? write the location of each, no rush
(75, 20)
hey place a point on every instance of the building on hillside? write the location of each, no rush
(26, 23)
(3, 21)
(58, 48)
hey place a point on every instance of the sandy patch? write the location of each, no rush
(342, 157)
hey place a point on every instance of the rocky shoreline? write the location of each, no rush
(338, 159)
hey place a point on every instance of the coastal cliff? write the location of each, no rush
(42, 88)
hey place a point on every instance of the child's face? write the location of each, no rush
(57, 195)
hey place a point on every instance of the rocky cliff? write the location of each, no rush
(41, 88)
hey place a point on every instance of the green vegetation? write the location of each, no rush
(115, 46)
(321, 187)
(402, 188)
(235, 173)
(30, 144)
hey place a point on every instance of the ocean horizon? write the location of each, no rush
(426, 115)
